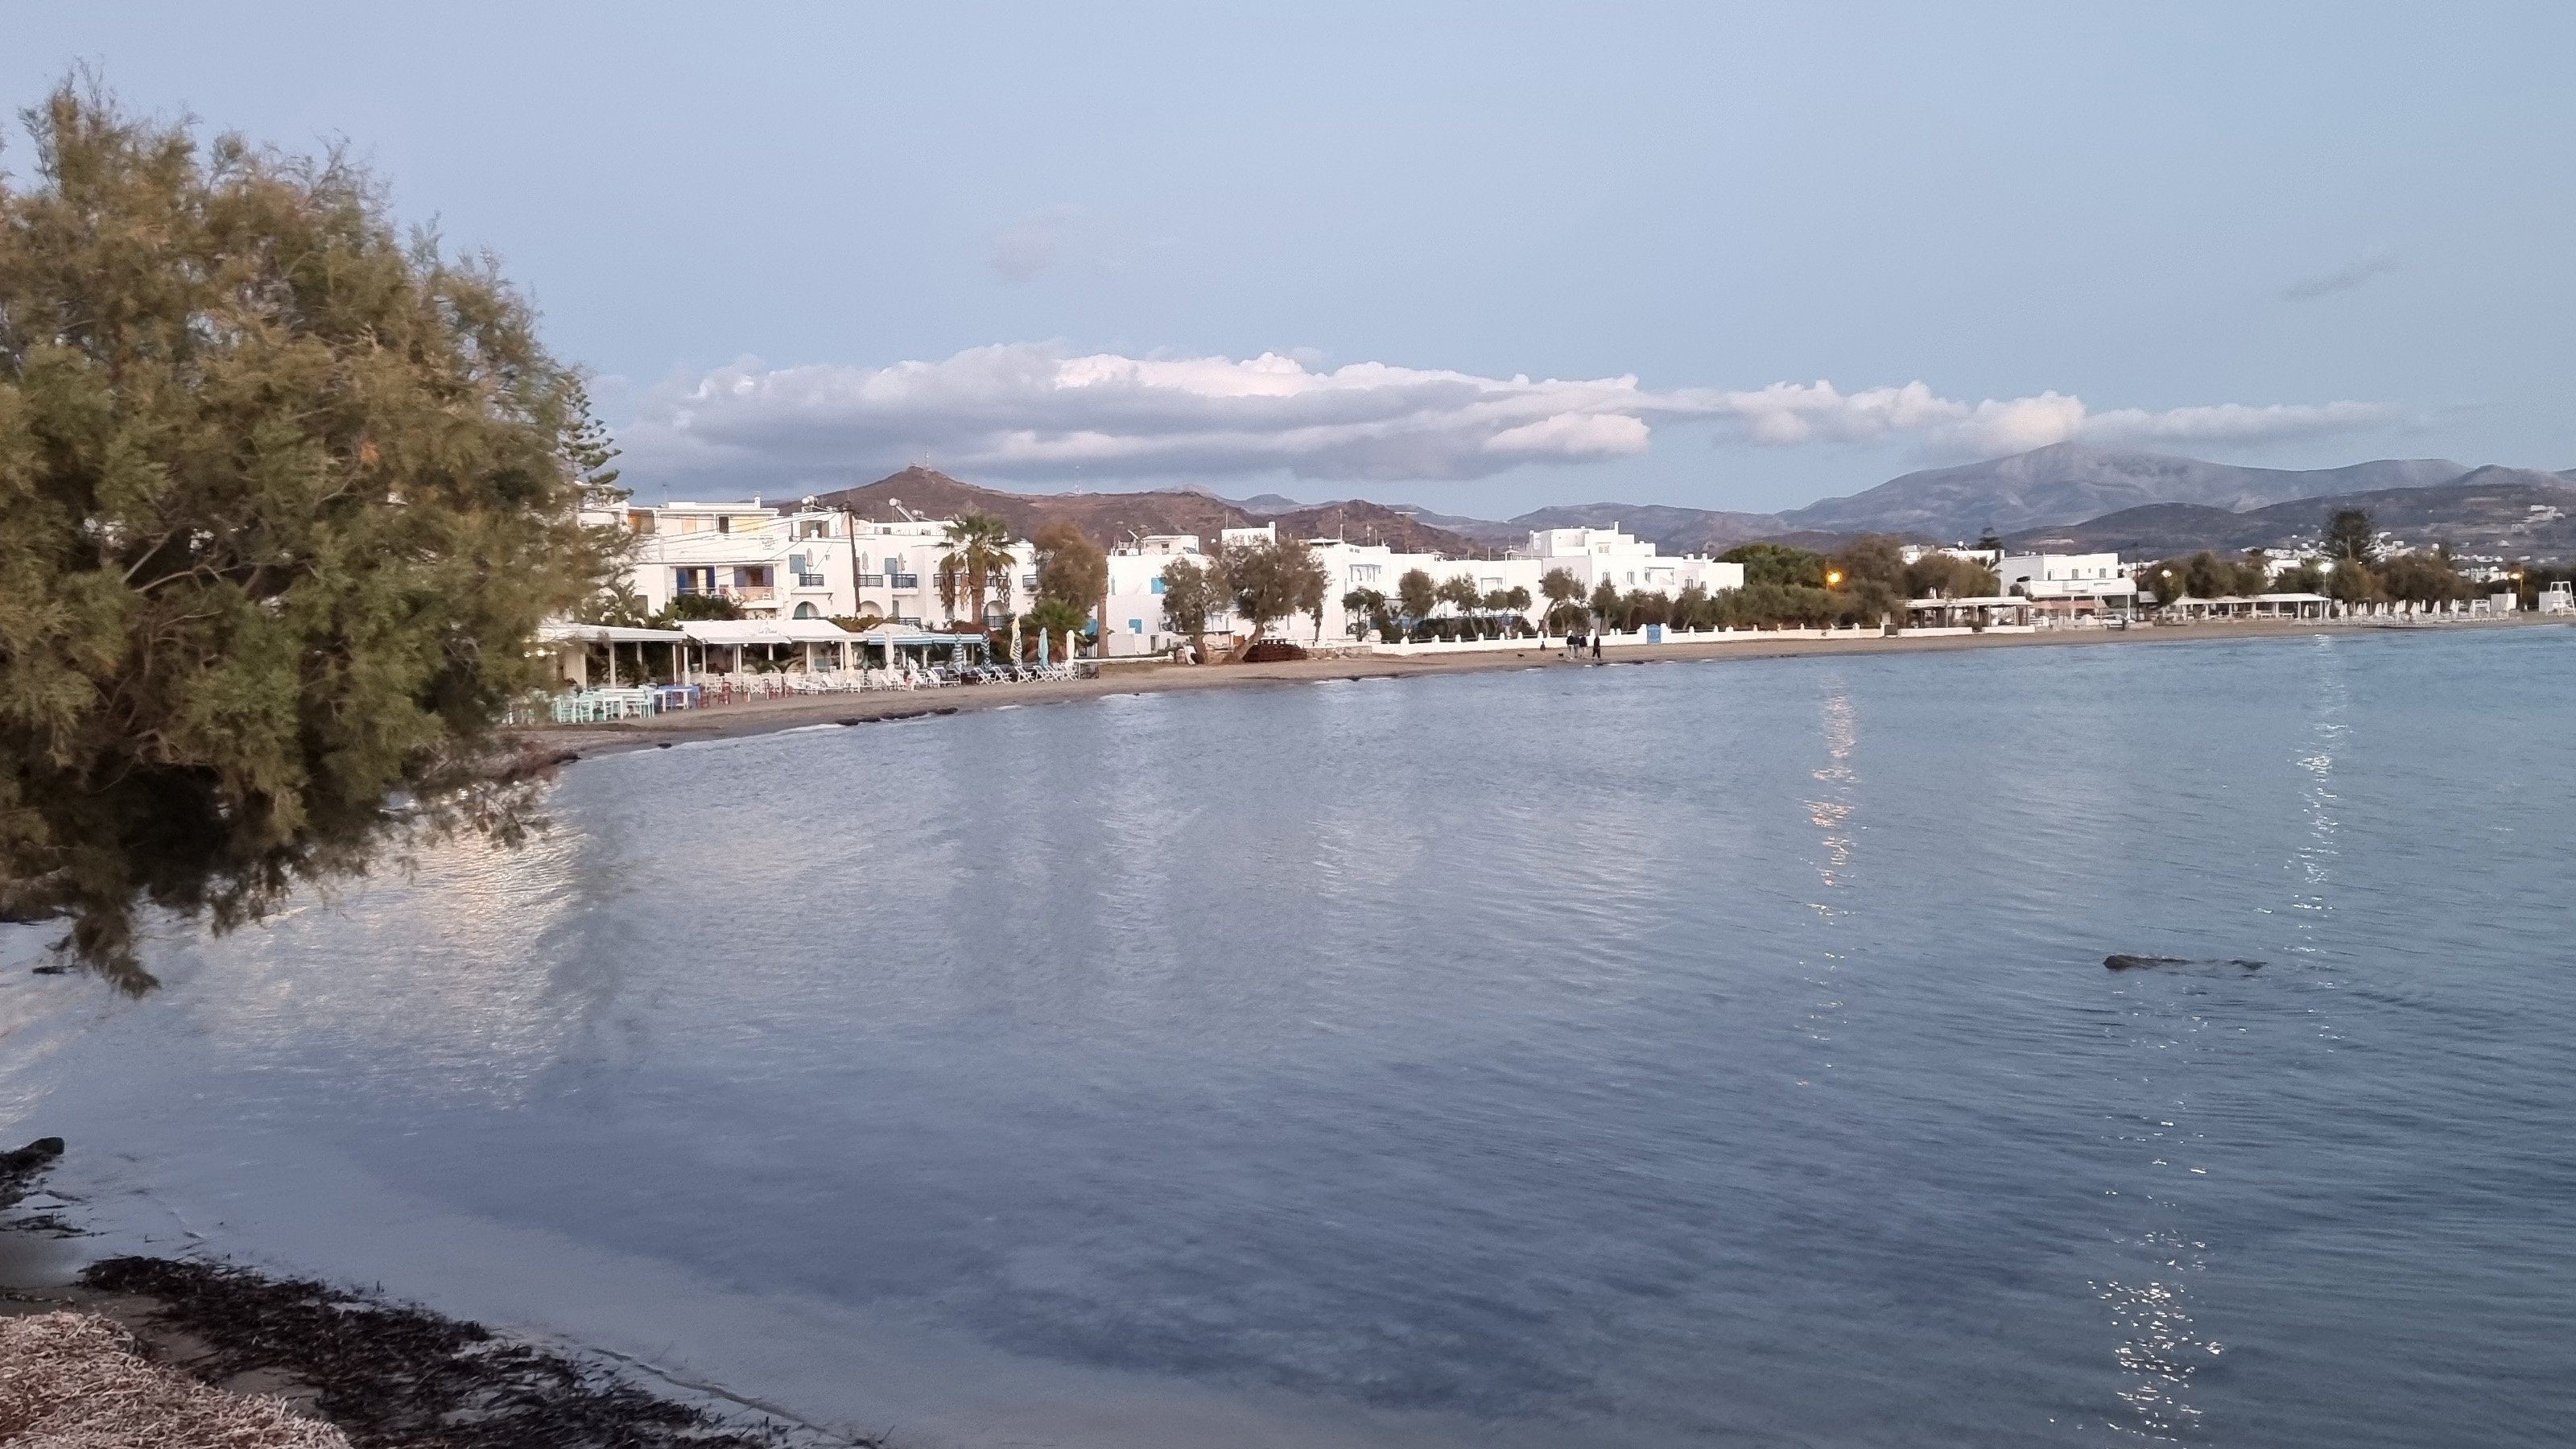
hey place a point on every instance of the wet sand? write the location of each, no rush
(766, 716)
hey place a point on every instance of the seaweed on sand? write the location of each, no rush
(395, 1377)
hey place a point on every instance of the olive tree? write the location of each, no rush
(1271, 580)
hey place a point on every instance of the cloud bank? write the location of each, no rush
(1032, 411)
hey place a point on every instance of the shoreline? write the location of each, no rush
(385, 1371)
(561, 744)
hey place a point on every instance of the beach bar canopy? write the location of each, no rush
(570, 644)
(891, 648)
(2259, 606)
(727, 646)
(1993, 611)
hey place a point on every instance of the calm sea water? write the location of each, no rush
(1680, 1054)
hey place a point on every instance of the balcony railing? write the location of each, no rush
(905, 581)
(810, 581)
(748, 593)
(872, 581)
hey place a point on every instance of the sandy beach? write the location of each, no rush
(760, 717)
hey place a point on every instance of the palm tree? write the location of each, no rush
(979, 558)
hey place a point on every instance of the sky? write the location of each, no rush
(1479, 257)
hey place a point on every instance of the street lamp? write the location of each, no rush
(1833, 578)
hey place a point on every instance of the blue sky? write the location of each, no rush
(1311, 248)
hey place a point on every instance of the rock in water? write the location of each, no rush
(20, 1169)
(2119, 962)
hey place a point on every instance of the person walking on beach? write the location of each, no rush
(1596, 647)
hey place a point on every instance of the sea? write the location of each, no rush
(1710, 1053)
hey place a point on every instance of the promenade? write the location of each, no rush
(797, 712)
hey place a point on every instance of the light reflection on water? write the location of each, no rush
(1650, 1055)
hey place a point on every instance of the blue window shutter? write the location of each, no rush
(1135, 626)
(796, 564)
(1158, 585)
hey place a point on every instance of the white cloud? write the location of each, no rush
(1027, 410)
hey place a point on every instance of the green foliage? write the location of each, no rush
(1368, 609)
(1781, 606)
(1694, 607)
(2306, 577)
(1940, 575)
(2349, 534)
(1777, 563)
(1270, 580)
(1190, 593)
(978, 564)
(1071, 568)
(1873, 578)
(1056, 618)
(700, 606)
(2206, 575)
(1560, 587)
(281, 503)
(2423, 578)
(1605, 603)
(1417, 594)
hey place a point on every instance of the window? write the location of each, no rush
(1135, 626)
(807, 611)
(796, 564)
(1158, 583)
(724, 524)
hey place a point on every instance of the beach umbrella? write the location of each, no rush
(1043, 640)
(1015, 638)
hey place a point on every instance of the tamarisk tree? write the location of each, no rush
(282, 501)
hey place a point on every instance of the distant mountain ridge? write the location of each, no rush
(1110, 518)
(2490, 510)
(2062, 498)
(2068, 482)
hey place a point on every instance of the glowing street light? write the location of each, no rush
(1833, 578)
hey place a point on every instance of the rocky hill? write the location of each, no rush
(1111, 518)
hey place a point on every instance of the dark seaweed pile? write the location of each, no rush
(394, 1377)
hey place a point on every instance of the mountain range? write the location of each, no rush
(2062, 498)
(2510, 512)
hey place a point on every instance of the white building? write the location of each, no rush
(2069, 584)
(1592, 555)
(808, 563)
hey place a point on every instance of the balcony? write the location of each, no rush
(748, 593)
(872, 581)
(811, 581)
(905, 581)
